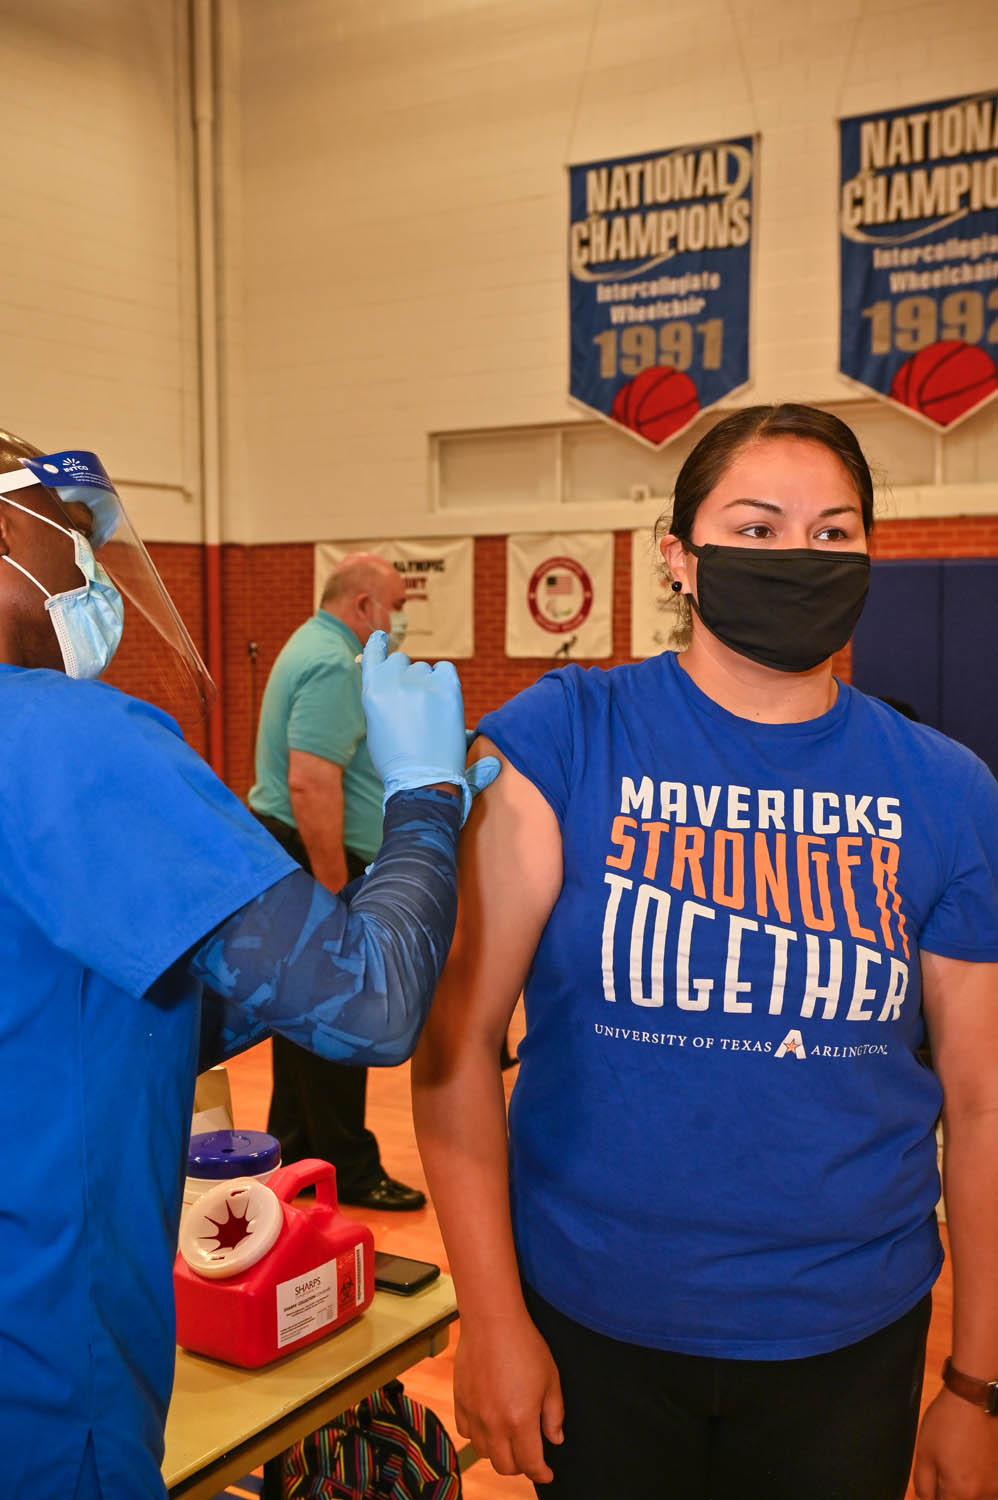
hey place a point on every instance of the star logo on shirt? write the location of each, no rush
(792, 1045)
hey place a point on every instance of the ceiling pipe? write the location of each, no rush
(203, 96)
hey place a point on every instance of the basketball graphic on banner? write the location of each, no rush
(560, 594)
(945, 380)
(656, 403)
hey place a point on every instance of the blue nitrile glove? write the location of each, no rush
(484, 771)
(415, 723)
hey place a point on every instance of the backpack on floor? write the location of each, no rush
(387, 1447)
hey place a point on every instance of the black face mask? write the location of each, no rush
(788, 608)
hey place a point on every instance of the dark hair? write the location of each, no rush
(902, 706)
(718, 449)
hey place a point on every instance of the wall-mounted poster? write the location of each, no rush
(660, 252)
(439, 594)
(559, 595)
(654, 607)
(919, 255)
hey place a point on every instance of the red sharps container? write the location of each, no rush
(258, 1276)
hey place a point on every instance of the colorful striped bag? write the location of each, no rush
(387, 1447)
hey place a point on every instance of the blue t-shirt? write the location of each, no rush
(119, 850)
(721, 1139)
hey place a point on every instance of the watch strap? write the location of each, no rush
(982, 1393)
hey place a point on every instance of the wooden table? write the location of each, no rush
(224, 1422)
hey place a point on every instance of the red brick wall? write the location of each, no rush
(139, 662)
(267, 592)
(950, 536)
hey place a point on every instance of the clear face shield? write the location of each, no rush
(157, 659)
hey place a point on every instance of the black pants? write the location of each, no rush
(651, 1425)
(317, 1107)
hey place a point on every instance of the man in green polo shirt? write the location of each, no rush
(318, 792)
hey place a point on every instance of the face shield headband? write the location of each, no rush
(172, 673)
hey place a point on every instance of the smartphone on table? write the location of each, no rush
(398, 1273)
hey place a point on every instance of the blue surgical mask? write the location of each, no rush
(87, 621)
(398, 628)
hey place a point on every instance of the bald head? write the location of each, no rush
(360, 573)
(362, 591)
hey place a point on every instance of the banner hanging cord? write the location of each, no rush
(746, 70)
(583, 75)
(861, 12)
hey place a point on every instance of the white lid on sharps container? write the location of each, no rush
(230, 1227)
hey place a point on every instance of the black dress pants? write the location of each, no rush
(651, 1425)
(317, 1107)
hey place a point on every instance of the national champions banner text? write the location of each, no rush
(918, 226)
(659, 272)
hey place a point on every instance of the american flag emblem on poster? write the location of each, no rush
(559, 595)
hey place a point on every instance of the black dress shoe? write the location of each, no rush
(386, 1194)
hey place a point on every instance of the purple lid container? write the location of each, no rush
(232, 1153)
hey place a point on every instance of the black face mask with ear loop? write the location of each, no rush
(785, 607)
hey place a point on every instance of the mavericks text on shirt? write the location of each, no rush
(755, 901)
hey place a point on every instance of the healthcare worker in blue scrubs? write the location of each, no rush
(148, 927)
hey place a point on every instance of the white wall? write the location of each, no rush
(97, 309)
(392, 226)
(404, 209)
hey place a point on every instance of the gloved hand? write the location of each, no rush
(415, 723)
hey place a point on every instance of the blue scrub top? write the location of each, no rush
(119, 850)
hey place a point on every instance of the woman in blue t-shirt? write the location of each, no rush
(735, 892)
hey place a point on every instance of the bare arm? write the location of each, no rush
(509, 877)
(315, 786)
(957, 1455)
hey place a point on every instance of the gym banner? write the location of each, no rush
(654, 607)
(439, 593)
(559, 595)
(919, 255)
(659, 278)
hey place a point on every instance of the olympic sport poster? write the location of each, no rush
(660, 249)
(918, 225)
